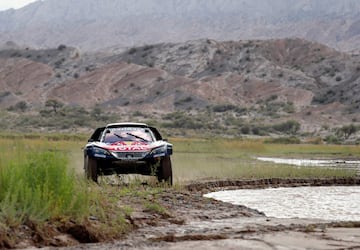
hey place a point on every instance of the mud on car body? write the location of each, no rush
(128, 148)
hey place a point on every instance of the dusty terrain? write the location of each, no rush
(192, 221)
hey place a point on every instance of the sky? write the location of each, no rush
(7, 4)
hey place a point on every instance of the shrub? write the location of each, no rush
(271, 98)
(289, 107)
(184, 100)
(223, 108)
(147, 47)
(61, 47)
(55, 105)
(19, 106)
(347, 130)
(288, 127)
(283, 140)
(132, 51)
(255, 130)
(245, 130)
(4, 94)
(332, 139)
(228, 107)
(321, 99)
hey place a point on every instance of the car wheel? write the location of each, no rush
(91, 169)
(165, 170)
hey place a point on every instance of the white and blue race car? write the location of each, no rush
(126, 148)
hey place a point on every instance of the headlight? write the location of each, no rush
(160, 151)
(99, 152)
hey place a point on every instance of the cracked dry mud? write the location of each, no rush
(201, 223)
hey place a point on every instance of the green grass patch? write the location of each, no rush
(39, 186)
(155, 207)
(196, 159)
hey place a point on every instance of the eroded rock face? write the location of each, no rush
(22, 79)
(291, 78)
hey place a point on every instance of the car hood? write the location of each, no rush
(130, 146)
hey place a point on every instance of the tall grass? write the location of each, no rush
(38, 185)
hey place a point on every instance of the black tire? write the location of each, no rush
(165, 170)
(91, 169)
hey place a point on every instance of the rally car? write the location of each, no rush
(126, 148)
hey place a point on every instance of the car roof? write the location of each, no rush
(96, 135)
(126, 124)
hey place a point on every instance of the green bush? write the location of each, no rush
(283, 140)
(332, 139)
(220, 108)
(245, 129)
(21, 106)
(39, 188)
(288, 127)
(346, 131)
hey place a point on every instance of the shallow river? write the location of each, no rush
(329, 203)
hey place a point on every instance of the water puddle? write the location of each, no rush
(331, 163)
(336, 203)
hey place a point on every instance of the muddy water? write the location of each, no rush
(329, 203)
(337, 203)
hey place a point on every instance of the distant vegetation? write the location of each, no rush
(242, 89)
(219, 121)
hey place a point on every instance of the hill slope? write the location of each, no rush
(272, 79)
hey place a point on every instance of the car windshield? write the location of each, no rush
(114, 135)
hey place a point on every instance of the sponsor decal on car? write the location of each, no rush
(128, 146)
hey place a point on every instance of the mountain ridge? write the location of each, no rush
(46, 24)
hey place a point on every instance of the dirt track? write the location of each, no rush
(201, 223)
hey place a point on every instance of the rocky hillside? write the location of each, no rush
(272, 79)
(109, 24)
